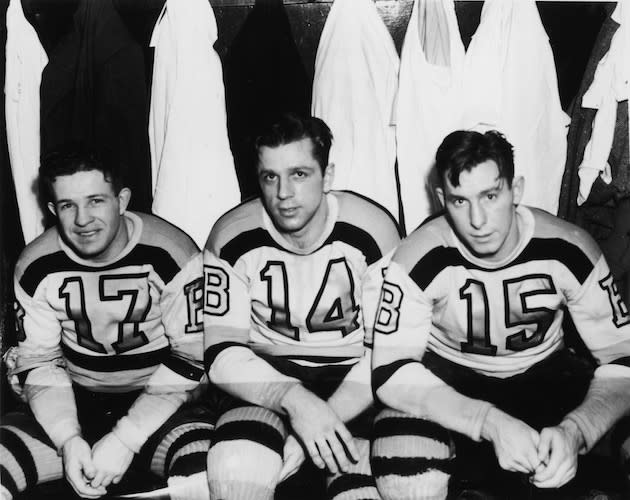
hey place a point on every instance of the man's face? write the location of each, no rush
(89, 214)
(293, 188)
(482, 210)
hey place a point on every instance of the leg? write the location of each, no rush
(358, 482)
(177, 452)
(412, 458)
(246, 456)
(27, 456)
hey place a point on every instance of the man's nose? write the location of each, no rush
(477, 215)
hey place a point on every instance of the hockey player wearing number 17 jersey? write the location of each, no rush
(469, 350)
(109, 313)
(291, 286)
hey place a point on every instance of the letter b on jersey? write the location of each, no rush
(389, 309)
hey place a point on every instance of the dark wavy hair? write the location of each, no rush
(464, 149)
(70, 159)
(292, 127)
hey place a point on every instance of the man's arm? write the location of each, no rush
(235, 368)
(39, 364)
(172, 382)
(228, 358)
(354, 394)
(402, 382)
(603, 322)
(47, 386)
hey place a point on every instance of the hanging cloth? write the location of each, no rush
(25, 60)
(581, 128)
(428, 103)
(193, 169)
(609, 86)
(356, 76)
(511, 83)
(264, 76)
(94, 92)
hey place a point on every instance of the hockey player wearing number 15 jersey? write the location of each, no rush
(469, 348)
(109, 314)
(291, 286)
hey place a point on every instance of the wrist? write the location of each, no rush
(490, 424)
(574, 433)
(290, 401)
(68, 442)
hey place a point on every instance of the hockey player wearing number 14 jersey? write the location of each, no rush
(469, 349)
(109, 314)
(291, 286)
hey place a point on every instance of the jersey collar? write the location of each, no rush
(526, 225)
(331, 219)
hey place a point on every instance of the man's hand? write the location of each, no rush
(79, 467)
(558, 449)
(326, 438)
(293, 457)
(111, 460)
(515, 443)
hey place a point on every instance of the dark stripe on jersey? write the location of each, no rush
(117, 362)
(410, 466)
(214, 350)
(356, 238)
(244, 242)
(400, 426)
(7, 481)
(382, 374)
(258, 432)
(440, 258)
(318, 359)
(190, 464)
(158, 258)
(183, 368)
(625, 361)
(22, 455)
(202, 434)
(349, 482)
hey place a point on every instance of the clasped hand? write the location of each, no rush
(91, 470)
(549, 457)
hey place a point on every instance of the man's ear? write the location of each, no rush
(51, 207)
(518, 187)
(439, 192)
(124, 197)
(329, 176)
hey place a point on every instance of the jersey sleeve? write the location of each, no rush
(39, 363)
(602, 320)
(601, 316)
(171, 384)
(399, 379)
(228, 358)
(401, 328)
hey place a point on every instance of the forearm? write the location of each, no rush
(240, 372)
(607, 400)
(48, 390)
(146, 415)
(414, 389)
(171, 385)
(354, 394)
